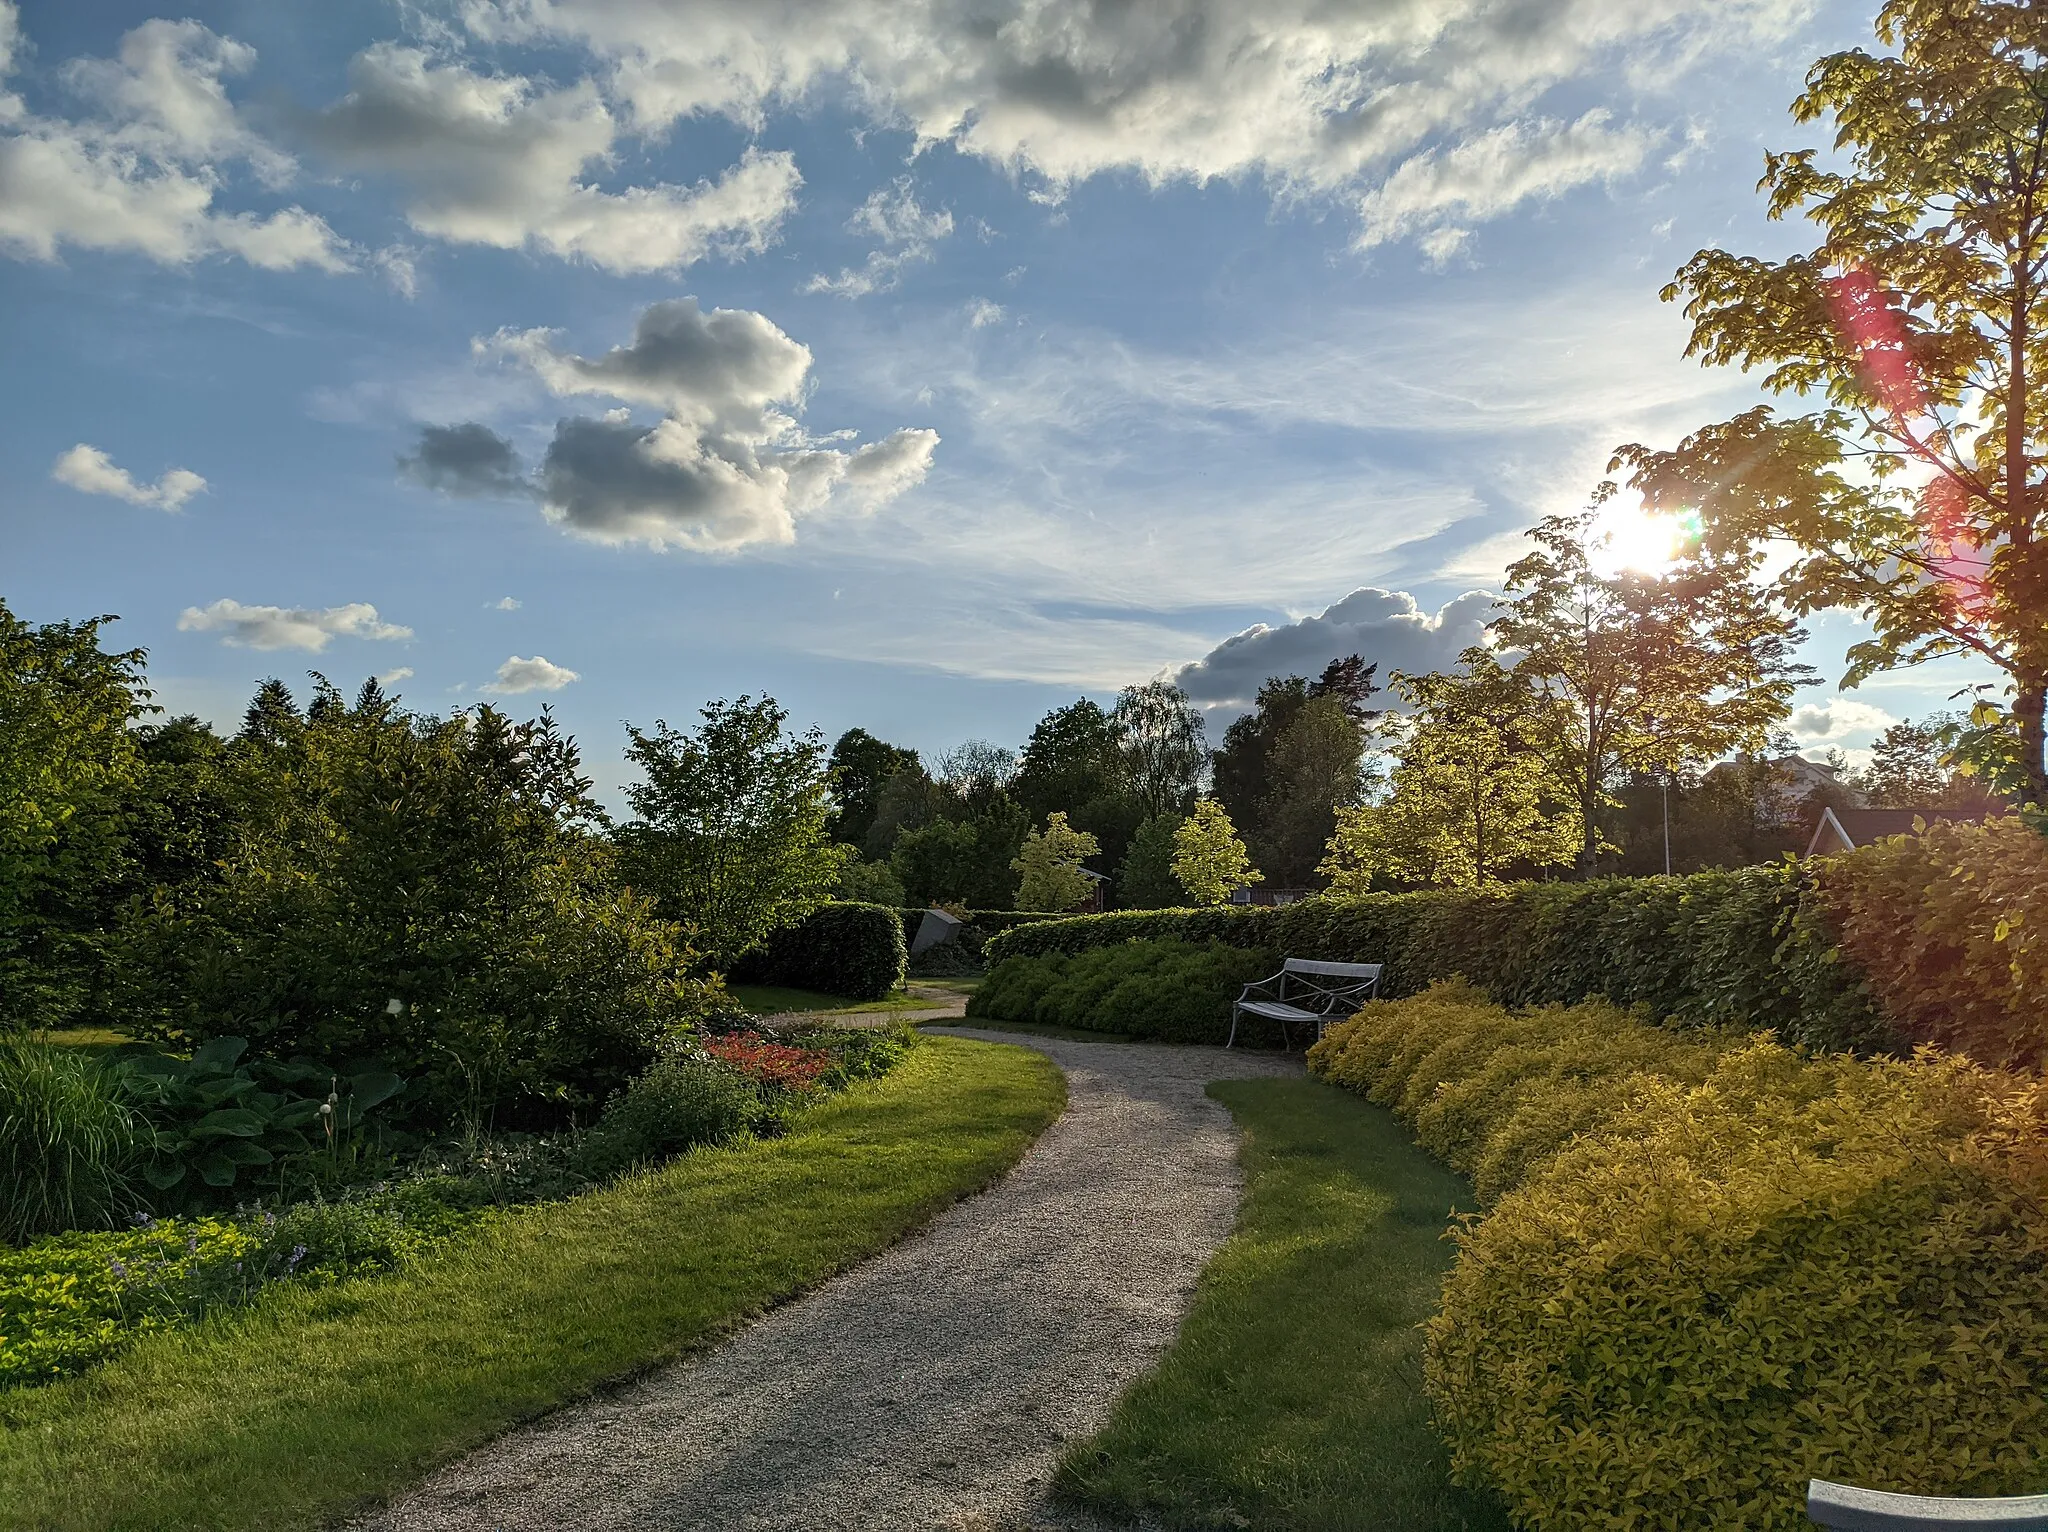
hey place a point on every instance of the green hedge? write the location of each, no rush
(855, 950)
(1171, 991)
(1749, 948)
(988, 922)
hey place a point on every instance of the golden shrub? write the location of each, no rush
(1795, 1268)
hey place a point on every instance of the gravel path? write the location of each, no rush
(933, 1386)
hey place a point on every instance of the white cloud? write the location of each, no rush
(90, 471)
(1314, 95)
(1837, 718)
(393, 677)
(907, 233)
(141, 175)
(538, 674)
(728, 464)
(982, 313)
(1385, 627)
(1438, 195)
(504, 604)
(500, 160)
(281, 627)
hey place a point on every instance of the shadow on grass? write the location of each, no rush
(1293, 1396)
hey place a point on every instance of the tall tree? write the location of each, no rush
(1073, 758)
(67, 764)
(1240, 765)
(1144, 878)
(861, 767)
(1164, 745)
(1918, 323)
(1640, 672)
(1468, 804)
(730, 837)
(1312, 772)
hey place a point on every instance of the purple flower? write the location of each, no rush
(119, 1270)
(141, 1220)
(191, 1244)
(298, 1255)
(238, 1268)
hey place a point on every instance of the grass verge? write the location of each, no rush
(314, 1403)
(1293, 1396)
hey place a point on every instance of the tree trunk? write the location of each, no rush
(2029, 707)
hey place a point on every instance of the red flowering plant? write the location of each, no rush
(778, 1066)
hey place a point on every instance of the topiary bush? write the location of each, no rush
(1171, 991)
(855, 950)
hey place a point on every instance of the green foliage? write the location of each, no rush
(1209, 861)
(67, 765)
(1913, 323)
(68, 1143)
(1048, 866)
(1638, 672)
(860, 768)
(1144, 879)
(1179, 992)
(676, 1105)
(869, 883)
(450, 865)
(218, 1122)
(730, 837)
(1469, 805)
(1751, 948)
(1314, 774)
(854, 950)
(964, 860)
(1163, 745)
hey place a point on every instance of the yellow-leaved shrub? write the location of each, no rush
(1794, 1269)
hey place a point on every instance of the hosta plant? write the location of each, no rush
(216, 1116)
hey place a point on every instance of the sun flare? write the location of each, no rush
(1628, 537)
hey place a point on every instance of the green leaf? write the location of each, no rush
(216, 1169)
(234, 1122)
(220, 1053)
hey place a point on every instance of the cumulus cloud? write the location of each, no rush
(907, 233)
(393, 677)
(538, 674)
(1314, 95)
(90, 471)
(287, 627)
(1837, 718)
(1438, 196)
(500, 160)
(727, 465)
(468, 461)
(504, 604)
(1385, 626)
(141, 170)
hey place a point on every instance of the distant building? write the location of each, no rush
(1845, 829)
(1271, 896)
(1798, 781)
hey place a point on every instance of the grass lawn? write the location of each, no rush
(313, 1403)
(773, 999)
(1293, 1397)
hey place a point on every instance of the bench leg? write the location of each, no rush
(1233, 1027)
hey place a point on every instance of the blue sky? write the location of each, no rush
(924, 364)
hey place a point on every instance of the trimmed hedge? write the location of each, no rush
(1172, 991)
(855, 950)
(988, 922)
(1748, 948)
(1716, 1268)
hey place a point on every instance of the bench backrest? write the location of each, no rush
(1317, 966)
(1870, 1510)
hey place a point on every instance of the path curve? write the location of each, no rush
(934, 1386)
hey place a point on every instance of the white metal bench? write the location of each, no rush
(1306, 989)
(1849, 1509)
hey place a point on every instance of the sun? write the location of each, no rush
(1626, 536)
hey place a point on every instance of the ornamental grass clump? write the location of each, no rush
(1795, 1268)
(68, 1143)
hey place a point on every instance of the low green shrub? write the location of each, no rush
(1171, 991)
(855, 950)
(68, 1143)
(677, 1105)
(1751, 948)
